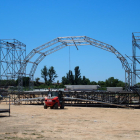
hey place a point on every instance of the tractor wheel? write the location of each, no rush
(51, 107)
(56, 106)
(45, 106)
(62, 106)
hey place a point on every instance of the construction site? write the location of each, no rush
(81, 101)
(13, 62)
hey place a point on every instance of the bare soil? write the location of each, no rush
(72, 123)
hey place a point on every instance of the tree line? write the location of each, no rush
(14, 82)
(49, 75)
(77, 79)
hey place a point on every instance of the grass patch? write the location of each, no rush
(7, 133)
(25, 133)
(118, 136)
(49, 130)
(30, 130)
(16, 138)
(39, 137)
(10, 138)
(33, 134)
(22, 139)
(136, 130)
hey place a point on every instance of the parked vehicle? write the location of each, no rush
(54, 100)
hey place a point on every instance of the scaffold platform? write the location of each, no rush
(124, 99)
(6, 110)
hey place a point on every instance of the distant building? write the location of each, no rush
(114, 89)
(82, 87)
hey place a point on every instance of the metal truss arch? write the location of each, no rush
(74, 41)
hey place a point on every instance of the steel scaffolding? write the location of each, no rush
(12, 55)
(135, 44)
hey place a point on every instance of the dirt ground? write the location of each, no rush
(73, 123)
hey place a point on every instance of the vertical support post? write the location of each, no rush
(9, 105)
(7, 63)
(125, 81)
(0, 62)
(25, 66)
(134, 58)
(87, 98)
(128, 80)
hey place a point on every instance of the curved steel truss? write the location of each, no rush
(72, 41)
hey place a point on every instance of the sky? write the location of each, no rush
(35, 22)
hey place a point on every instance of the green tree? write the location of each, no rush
(64, 80)
(37, 81)
(25, 81)
(85, 81)
(102, 83)
(93, 83)
(112, 82)
(52, 74)
(8, 82)
(120, 84)
(70, 78)
(44, 73)
(57, 82)
(77, 79)
(138, 84)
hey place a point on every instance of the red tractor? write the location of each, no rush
(54, 100)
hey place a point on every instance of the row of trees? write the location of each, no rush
(76, 79)
(14, 82)
(8, 83)
(49, 76)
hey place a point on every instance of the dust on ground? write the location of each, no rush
(72, 123)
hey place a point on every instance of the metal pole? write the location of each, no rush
(9, 105)
(125, 81)
(0, 62)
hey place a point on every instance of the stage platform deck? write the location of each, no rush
(4, 110)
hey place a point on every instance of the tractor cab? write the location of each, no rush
(54, 100)
(53, 93)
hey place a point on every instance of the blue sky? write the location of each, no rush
(35, 22)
